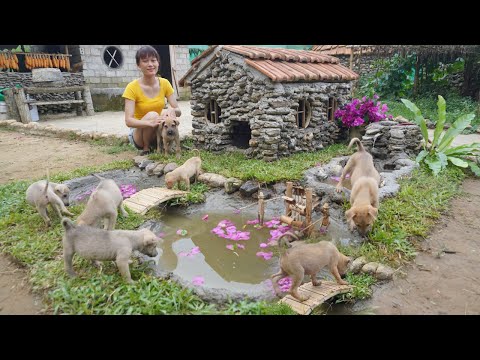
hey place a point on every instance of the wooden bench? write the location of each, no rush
(83, 99)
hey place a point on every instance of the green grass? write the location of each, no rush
(361, 288)
(238, 166)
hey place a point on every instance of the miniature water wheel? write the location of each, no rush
(299, 205)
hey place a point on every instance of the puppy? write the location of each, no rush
(103, 204)
(43, 192)
(190, 168)
(167, 134)
(98, 244)
(309, 259)
(365, 181)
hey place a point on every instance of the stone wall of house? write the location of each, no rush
(362, 65)
(12, 79)
(246, 95)
(388, 139)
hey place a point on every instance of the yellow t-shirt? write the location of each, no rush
(144, 104)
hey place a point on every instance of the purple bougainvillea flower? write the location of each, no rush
(182, 253)
(229, 247)
(253, 222)
(240, 246)
(285, 284)
(263, 245)
(181, 232)
(205, 217)
(272, 223)
(236, 211)
(198, 280)
(195, 250)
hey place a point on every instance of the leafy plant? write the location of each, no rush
(439, 153)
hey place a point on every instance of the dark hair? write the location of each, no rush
(145, 52)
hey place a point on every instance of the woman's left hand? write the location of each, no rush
(171, 113)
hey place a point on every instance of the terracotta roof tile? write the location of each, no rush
(342, 49)
(285, 65)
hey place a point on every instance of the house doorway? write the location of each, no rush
(241, 134)
(165, 70)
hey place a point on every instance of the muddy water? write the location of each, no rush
(219, 266)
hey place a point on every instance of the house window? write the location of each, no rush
(331, 108)
(112, 56)
(213, 112)
(304, 114)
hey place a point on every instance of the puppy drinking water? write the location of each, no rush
(103, 204)
(98, 244)
(44, 192)
(167, 134)
(365, 181)
(309, 259)
(190, 168)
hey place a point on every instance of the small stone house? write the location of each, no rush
(272, 102)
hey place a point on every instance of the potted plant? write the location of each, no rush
(358, 113)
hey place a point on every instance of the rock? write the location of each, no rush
(384, 272)
(213, 180)
(232, 184)
(51, 75)
(149, 168)
(138, 159)
(169, 167)
(267, 194)
(370, 268)
(249, 188)
(357, 264)
(145, 163)
(280, 188)
(158, 170)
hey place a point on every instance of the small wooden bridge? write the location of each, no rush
(144, 200)
(317, 296)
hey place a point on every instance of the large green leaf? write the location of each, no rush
(457, 161)
(434, 163)
(474, 167)
(421, 156)
(457, 127)
(419, 120)
(441, 120)
(466, 149)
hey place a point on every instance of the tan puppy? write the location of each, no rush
(167, 134)
(184, 172)
(43, 192)
(365, 181)
(309, 259)
(98, 244)
(103, 204)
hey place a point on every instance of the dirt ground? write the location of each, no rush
(443, 279)
(25, 157)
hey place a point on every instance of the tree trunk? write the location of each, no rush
(467, 75)
(415, 80)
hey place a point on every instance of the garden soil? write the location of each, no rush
(442, 280)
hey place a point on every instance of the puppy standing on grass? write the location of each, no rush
(190, 168)
(365, 181)
(98, 244)
(103, 204)
(44, 192)
(167, 134)
(309, 259)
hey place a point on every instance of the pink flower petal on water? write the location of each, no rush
(263, 245)
(181, 232)
(198, 280)
(205, 217)
(241, 246)
(268, 256)
(236, 211)
(229, 247)
(195, 250)
(252, 222)
(182, 253)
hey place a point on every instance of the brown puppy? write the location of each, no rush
(309, 259)
(97, 244)
(167, 134)
(365, 181)
(190, 168)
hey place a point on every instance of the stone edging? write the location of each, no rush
(35, 128)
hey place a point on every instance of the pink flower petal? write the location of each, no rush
(229, 247)
(205, 217)
(252, 222)
(181, 232)
(241, 246)
(263, 245)
(195, 250)
(198, 280)
(236, 211)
